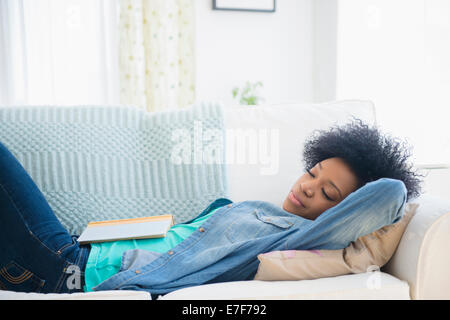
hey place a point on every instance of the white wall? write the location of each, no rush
(325, 49)
(275, 48)
(396, 53)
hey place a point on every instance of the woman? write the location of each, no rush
(356, 181)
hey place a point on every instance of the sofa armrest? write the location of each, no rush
(422, 257)
(369, 285)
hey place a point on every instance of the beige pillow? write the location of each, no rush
(374, 249)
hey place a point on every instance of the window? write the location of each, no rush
(58, 52)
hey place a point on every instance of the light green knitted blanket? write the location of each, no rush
(112, 162)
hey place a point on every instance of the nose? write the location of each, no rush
(307, 189)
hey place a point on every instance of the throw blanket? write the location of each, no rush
(112, 162)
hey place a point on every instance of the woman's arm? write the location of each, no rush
(369, 208)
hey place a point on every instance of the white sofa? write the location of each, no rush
(264, 159)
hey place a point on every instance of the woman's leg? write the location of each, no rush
(37, 254)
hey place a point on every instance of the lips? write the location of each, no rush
(295, 200)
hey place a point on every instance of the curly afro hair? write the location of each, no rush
(367, 151)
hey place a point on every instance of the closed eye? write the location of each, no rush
(326, 196)
(323, 191)
(307, 170)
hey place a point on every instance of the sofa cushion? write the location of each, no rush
(265, 143)
(361, 286)
(371, 251)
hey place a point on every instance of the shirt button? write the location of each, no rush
(201, 229)
(138, 271)
(170, 252)
(229, 205)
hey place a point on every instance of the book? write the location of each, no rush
(126, 229)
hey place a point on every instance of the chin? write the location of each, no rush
(285, 205)
(287, 208)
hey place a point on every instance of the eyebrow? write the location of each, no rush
(331, 182)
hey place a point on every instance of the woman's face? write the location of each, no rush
(323, 187)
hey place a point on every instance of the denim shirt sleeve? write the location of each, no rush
(377, 204)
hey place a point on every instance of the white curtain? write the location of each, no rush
(59, 52)
(157, 53)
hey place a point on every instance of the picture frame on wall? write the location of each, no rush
(245, 5)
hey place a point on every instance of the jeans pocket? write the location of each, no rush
(14, 277)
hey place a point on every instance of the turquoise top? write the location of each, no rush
(105, 257)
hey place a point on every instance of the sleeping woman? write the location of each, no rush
(356, 181)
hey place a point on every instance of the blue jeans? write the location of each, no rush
(37, 254)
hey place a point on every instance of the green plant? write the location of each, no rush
(248, 95)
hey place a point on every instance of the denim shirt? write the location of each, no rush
(226, 246)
